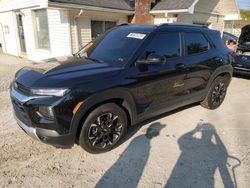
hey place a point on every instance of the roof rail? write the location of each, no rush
(181, 24)
(123, 24)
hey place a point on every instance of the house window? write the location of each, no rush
(41, 29)
(99, 27)
(228, 25)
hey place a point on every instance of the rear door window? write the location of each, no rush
(195, 43)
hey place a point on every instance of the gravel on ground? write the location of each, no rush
(190, 147)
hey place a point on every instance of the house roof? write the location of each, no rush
(112, 4)
(173, 4)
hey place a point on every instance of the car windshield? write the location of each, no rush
(115, 47)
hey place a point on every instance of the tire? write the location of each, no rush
(103, 129)
(216, 93)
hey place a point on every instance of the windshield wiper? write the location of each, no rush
(77, 55)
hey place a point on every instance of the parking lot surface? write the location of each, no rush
(190, 147)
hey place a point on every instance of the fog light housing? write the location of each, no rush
(46, 111)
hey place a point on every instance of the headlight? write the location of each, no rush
(50, 92)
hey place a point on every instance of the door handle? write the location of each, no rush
(180, 66)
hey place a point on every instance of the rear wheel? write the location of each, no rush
(103, 129)
(216, 93)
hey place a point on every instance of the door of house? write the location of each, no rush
(21, 34)
(2, 39)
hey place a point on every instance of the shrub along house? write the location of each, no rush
(43, 29)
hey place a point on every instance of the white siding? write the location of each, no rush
(2, 38)
(29, 33)
(230, 7)
(59, 35)
(211, 6)
(59, 29)
(159, 19)
(7, 5)
(207, 12)
(83, 24)
(211, 12)
(8, 21)
(215, 21)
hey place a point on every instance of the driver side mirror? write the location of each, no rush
(152, 59)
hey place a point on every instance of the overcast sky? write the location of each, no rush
(244, 4)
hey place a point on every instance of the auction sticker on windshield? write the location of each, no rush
(136, 35)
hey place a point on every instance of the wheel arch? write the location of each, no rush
(225, 70)
(121, 97)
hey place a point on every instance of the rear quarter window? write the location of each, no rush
(216, 39)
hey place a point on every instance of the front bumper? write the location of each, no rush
(23, 106)
(47, 136)
(242, 65)
(29, 130)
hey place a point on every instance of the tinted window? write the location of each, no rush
(196, 43)
(116, 47)
(167, 44)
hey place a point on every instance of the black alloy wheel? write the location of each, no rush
(217, 93)
(103, 129)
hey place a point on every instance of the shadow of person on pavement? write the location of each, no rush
(127, 170)
(199, 159)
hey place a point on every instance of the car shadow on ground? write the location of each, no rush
(133, 129)
(202, 153)
(123, 172)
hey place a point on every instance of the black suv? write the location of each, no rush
(129, 74)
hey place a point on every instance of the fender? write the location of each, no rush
(117, 93)
(220, 70)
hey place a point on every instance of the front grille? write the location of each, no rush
(20, 112)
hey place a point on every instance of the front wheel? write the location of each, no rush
(103, 129)
(216, 93)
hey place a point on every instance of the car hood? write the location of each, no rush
(244, 39)
(66, 74)
(245, 43)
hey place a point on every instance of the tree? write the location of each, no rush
(245, 19)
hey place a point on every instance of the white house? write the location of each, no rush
(215, 14)
(44, 29)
